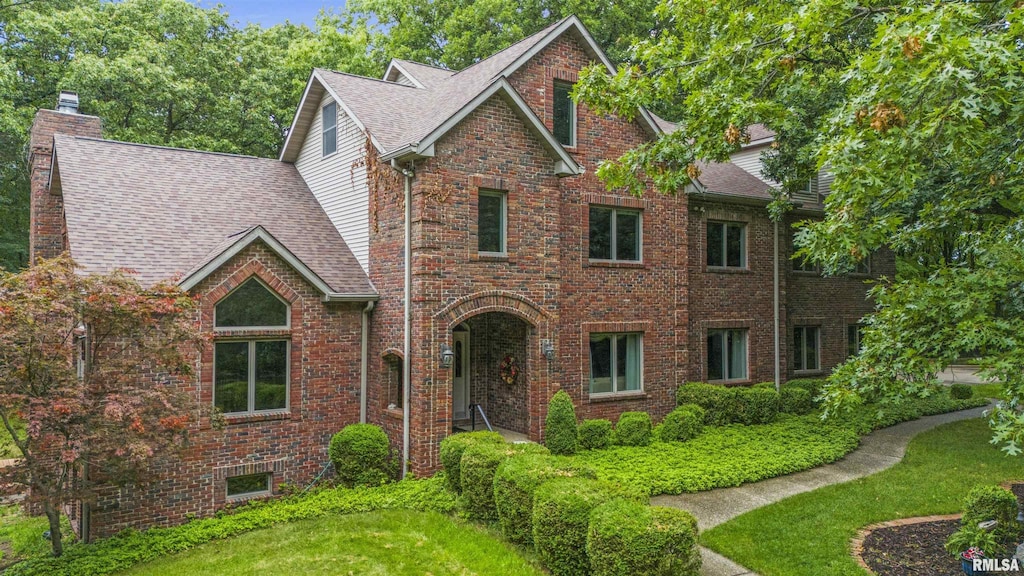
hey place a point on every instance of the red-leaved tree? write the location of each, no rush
(91, 365)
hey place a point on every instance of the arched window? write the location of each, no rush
(250, 375)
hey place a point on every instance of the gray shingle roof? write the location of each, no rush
(165, 211)
(729, 179)
(424, 73)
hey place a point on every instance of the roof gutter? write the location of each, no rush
(339, 297)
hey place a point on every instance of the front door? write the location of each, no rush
(460, 377)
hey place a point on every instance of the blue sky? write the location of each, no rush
(270, 12)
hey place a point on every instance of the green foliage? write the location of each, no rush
(595, 434)
(972, 536)
(479, 464)
(361, 455)
(515, 482)
(682, 424)
(795, 401)
(634, 429)
(452, 449)
(813, 385)
(132, 547)
(756, 405)
(993, 503)
(560, 425)
(868, 417)
(561, 515)
(961, 391)
(626, 538)
(719, 403)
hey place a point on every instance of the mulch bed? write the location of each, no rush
(913, 548)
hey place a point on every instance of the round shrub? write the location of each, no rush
(478, 466)
(813, 385)
(795, 401)
(634, 429)
(961, 392)
(452, 449)
(515, 482)
(683, 423)
(361, 455)
(626, 538)
(757, 405)
(719, 403)
(560, 425)
(594, 434)
(993, 503)
(561, 514)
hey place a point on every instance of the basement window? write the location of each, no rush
(249, 485)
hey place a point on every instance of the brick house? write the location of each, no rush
(527, 276)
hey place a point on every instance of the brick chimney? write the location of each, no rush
(47, 236)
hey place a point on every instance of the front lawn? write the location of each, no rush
(394, 542)
(809, 534)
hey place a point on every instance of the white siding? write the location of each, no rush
(338, 184)
(749, 159)
(400, 78)
(825, 178)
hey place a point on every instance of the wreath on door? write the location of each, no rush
(509, 369)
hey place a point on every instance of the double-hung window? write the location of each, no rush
(806, 348)
(853, 336)
(727, 244)
(492, 222)
(250, 374)
(727, 354)
(616, 363)
(330, 129)
(564, 112)
(615, 234)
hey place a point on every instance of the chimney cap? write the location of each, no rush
(67, 101)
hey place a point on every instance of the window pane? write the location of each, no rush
(271, 375)
(600, 364)
(798, 348)
(330, 129)
(627, 232)
(811, 344)
(737, 354)
(489, 224)
(249, 484)
(734, 246)
(852, 339)
(600, 233)
(633, 363)
(620, 363)
(231, 376)
(562, 111)
(715, 242)
(252, 305)
(715, 351)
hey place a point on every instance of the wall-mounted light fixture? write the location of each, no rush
(547, 349)
(447, 356)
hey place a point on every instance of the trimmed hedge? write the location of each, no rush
(756, 405)
(813, 385)
(452, 449)
(561, 516)
(478, 466)
(993, 503)
(718, 402)
(626, 538)
(515, 482)
(961, 391)
(560, 425)
(361, 455)
(594, 434)
(634, 429)
(682, 424)
(795, 401)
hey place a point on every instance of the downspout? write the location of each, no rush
(407, 329)
(364, 361)
(775, 282)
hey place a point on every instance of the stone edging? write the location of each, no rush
(857, 544)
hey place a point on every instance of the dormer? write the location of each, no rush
(399, 75)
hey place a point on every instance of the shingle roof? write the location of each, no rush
(424, 73)
(166, 211)
(729, 179)
(759, 132)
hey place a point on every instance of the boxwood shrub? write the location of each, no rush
(515, 482)
(560, 425)
(813, 385)
(718, 402)
(479, 463)
(993, 503)
(682, 424)
(561, 515)
(960, 391)
(634, 429)
(361, 455)
(452, 448)
(594, 434)
(756, 405)
(795, 401)
(626, 538)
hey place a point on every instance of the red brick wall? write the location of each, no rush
(323, 397)
(47, 234)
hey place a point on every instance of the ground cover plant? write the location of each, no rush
(940, 468)
(393, 542)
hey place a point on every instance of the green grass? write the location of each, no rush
(21, 536)
(809, 534)
(396, 542)
(7, 447)
(989, 390)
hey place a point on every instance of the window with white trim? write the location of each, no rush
(615, 234)
(564, 114)
(249, 485)
(616, 363)
(492, 222)
(727, 354)
(330, 129)
(727, 244)
(806, 348)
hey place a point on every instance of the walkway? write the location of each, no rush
(878, 451)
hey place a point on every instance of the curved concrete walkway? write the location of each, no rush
(877, 451)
